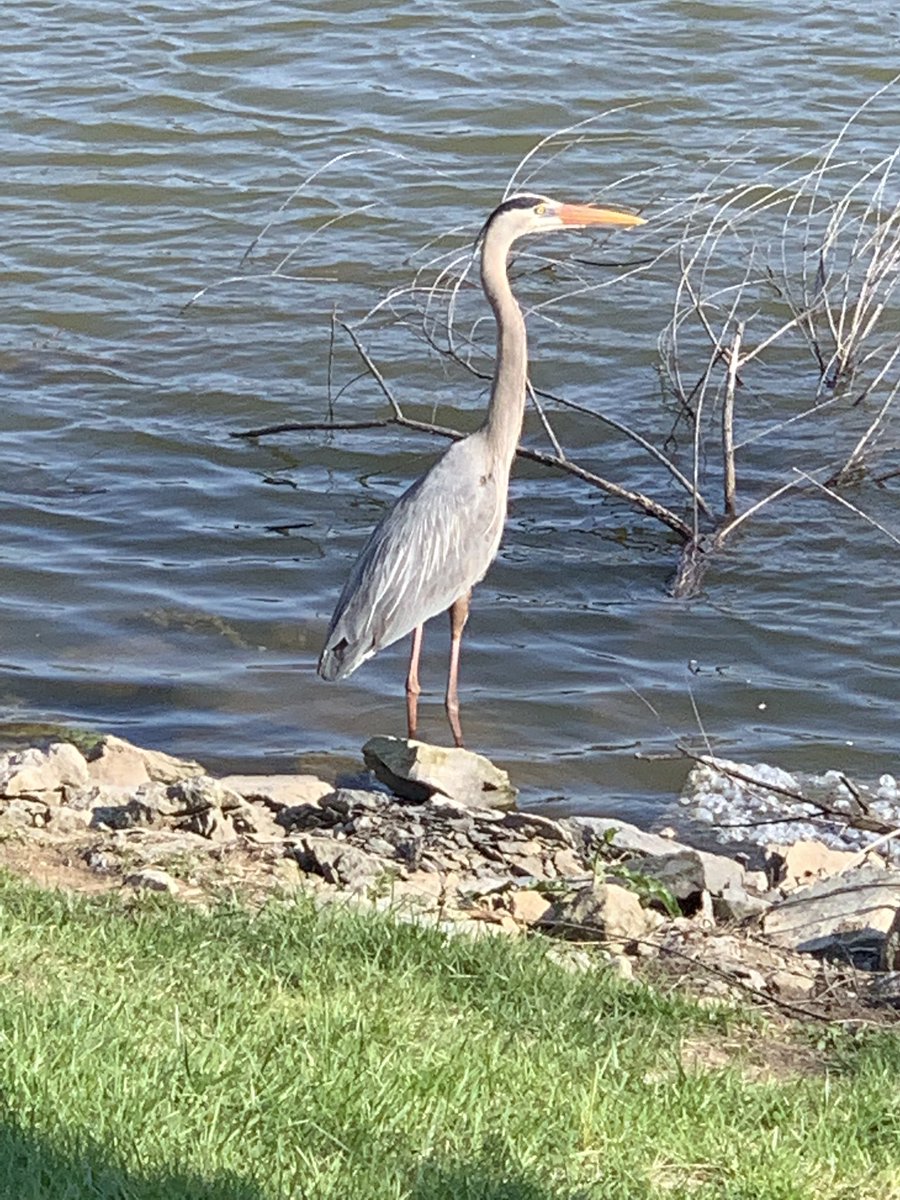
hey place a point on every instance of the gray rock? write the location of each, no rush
(24, 813)
(32, 772)
(210, 823)
(279, 791)
(116, 762)
(417, 770)
(65, 820)
(533, 825)
(485, 885)
(602, 912)
(737, 904)
(847, 916)
(133, 814)
(890, 954)
(153, 880)
(692, 871)
(185, 797)
(339, 863)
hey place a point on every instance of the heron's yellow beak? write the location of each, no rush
(587, 214)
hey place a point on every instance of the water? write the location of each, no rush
(171, 583)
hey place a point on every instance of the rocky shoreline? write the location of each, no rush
(434, 837)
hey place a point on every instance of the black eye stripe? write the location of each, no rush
(517, 202)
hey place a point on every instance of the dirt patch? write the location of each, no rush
(768, 1058)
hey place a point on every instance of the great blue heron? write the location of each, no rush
(438, 540)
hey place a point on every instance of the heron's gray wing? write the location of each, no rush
(434, 544)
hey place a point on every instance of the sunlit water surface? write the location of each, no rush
(168, 582)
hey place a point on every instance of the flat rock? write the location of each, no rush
(417, 770)
(672, 863)
(847, 916)
(24, 812)
(120, 764)
(279, 791)
(804, 861)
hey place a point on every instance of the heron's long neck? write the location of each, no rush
(503, 423)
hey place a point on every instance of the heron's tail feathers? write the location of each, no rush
(334, 662)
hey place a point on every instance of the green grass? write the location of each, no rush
(156, 1051)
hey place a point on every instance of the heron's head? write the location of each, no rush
(526, 213)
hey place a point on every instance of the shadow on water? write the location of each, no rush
(33, 1167)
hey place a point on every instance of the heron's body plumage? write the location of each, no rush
(438, 540)
(432, 547)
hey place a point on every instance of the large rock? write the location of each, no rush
(682, 869)
(848, 916)
(116, 763)
(279, 791)
(34, 772)
(890, 954)
(198, 804)
(804, 861)
(341, 864)
(417, 771)
(603, 912)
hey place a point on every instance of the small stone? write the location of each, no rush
(256, 820)
(621, 967)
(286, 873)
(485, 885)
(423, 884)
(568, 864)
(570, 958)
(210, 823)
(537, 826)
(153, 880)
(528, 866)
(529, 907)
(791, 985)
(737, 904)
(379, 845)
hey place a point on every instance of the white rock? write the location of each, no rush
(279, 791)
(31, 771)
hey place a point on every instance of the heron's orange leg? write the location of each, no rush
(412, 683)
(459, 614)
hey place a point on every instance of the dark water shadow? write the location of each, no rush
(34, 1167)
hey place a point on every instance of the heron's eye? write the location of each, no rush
(540, 209)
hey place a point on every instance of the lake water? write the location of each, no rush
(170, 583)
